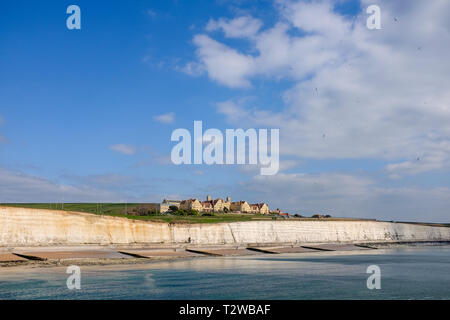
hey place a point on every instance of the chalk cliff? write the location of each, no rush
(30, 227)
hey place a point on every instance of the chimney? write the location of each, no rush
(228, 199)
(208, 198)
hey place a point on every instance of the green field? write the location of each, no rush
(120, 209)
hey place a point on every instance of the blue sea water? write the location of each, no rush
(406, 273)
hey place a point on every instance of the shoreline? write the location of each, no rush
(47, 257)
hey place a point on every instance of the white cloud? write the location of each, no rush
(345, 195)
(422, 164)
(17, 186)
(123, 148)
(223, 64)
(165, 118)
(241, 27)
(20, 187)
(288, 164)
(232, 111)
(316, 17)
(356, 93)
(192, 69)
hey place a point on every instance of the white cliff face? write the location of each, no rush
(30, 227)
(20, 226)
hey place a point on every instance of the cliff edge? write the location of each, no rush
(38, 227)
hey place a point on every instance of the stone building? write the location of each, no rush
(227, 204)
(219, 205)
(245, 207)
(207, 206)
(241, 206)
(254, 208)
(166, 204)
(261, 208)
(191, 204)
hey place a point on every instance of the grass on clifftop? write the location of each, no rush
(120, 209)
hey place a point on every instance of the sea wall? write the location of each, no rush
(32, 227)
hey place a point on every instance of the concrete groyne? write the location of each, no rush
(37, 227)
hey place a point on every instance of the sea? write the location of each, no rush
(404, 273)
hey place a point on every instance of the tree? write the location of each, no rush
(153, 212)
(193, 212)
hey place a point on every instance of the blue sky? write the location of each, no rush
(86, 115)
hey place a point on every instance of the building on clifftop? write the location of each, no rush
(191, 204)
(218, 205)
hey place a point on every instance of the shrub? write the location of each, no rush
(180, 212)
(138, 212)
(208, 214)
